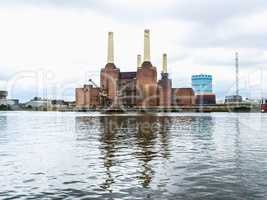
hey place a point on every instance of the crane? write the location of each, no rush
(104, 100)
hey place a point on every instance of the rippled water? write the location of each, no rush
(164, 156)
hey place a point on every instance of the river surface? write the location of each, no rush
(50, 155)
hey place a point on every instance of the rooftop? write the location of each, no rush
(127, 75)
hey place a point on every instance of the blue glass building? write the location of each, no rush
(202, 84)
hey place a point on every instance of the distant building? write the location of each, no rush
(202, 84)
(3, 94)
(10, 103)
(58, 104)
(3, 98)
(205, 99)
(38, 103)
(233, 99)
(13, 102)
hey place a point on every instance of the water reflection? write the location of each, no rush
(3, 128)
(84, 126)
(109, 140)
(182, 155)
(164, 136)
(3, 122)
(164, 156)
(145, 136)
(147, 139)
(147, 130)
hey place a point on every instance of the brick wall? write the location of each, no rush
(183, 97)
(87, 97)
(165, 92)
(146, 82)
(109, 80)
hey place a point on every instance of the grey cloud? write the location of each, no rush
(204, 11)
(213, 12)
(204, 36)
(209, 18)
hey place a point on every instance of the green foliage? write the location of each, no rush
(4, 107)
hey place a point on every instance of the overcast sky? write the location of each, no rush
(49, 47)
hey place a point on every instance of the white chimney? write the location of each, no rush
(164, 64)
(139, 61)
(110, 48)
(147, 45)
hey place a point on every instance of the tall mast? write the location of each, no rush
(237, 73)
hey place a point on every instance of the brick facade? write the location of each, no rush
(206, 99)
(165, 91)
(183, 97)
(136, 89)
(146, 83)
(127, 89)
(109, 79)
(87, 97)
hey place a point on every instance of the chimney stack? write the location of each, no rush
(110, 48)
(147, 45)
(164, 64)
(139, 62)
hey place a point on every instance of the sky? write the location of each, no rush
(50, 47)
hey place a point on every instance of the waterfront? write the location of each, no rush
(133, 156)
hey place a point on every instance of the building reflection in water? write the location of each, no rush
(145, 141)
(142, 142)
(149, 129)
(146, 135)
(109, 140)
(165, 125)
(237, 144)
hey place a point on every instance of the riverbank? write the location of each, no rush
(244, 107)
(197, 108)
(208, 108)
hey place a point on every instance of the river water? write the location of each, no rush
(46, 155)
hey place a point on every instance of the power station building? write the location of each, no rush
(139, 88)
(202, 86)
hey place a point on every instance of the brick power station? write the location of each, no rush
(137, 89)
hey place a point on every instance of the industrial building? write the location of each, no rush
(202, 86)
(139, 88)
(38, 103)
(8, 103)
(233, 99)
(88, 96)
(205, 99)
(183, 96)
(3, 94)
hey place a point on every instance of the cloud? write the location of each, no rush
(68, 37)
(205, 11)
